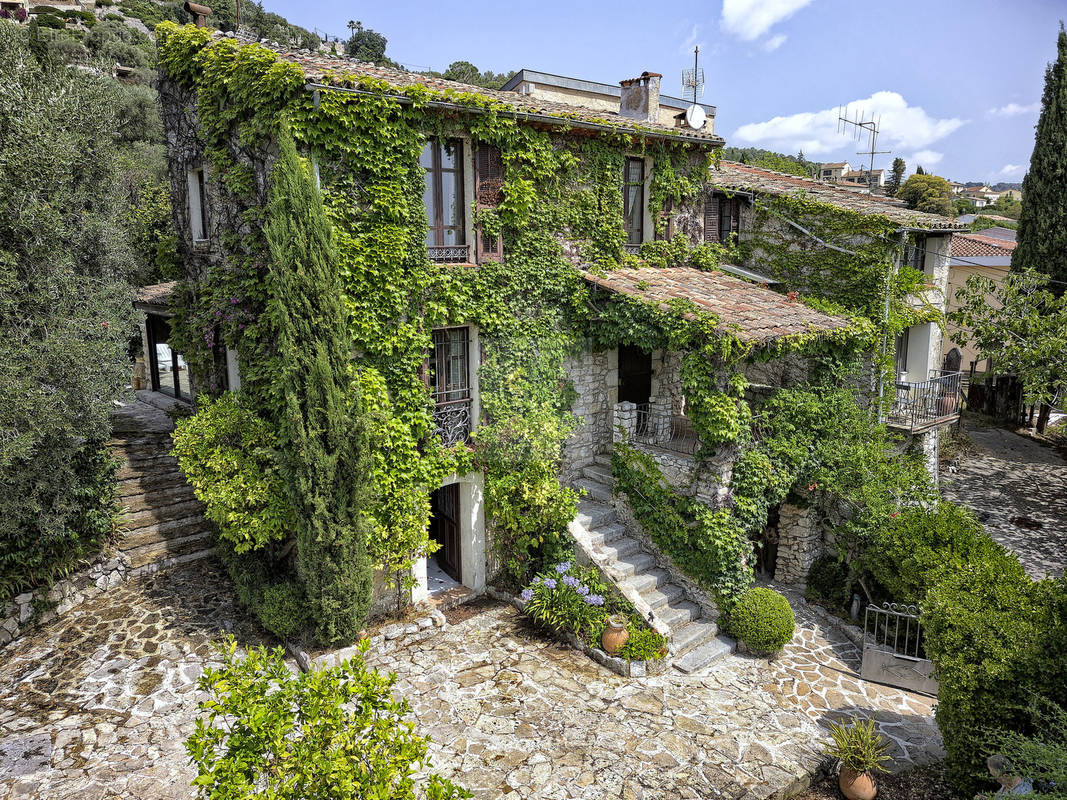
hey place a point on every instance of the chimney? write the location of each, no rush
(639, 98)
(200, 13)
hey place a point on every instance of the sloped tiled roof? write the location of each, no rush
(974, 244)
(753, 313)
(157, 295)
(338, 71)
(743, 177)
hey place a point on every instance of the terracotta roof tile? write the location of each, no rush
(753, 313)
(158, 294)
(974, 244)
(338, 71)
(743, 177)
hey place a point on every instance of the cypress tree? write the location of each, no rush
(896, 176)
(323, 441)
(1043, 223)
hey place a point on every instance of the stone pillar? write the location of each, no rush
(659, 420)
(799, 544)
(625, 424)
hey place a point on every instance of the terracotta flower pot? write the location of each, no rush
(856, 785)
(615, 634)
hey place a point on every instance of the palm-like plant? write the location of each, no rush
(859, 746)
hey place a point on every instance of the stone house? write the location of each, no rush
(615, 389)
(972, 254)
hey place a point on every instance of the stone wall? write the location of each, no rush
(595, 377)
(30, 609)
(800, 543)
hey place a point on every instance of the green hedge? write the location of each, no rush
(762, 619)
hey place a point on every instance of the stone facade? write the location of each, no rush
(595, 378)
(800, 542)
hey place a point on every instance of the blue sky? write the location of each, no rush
(957, 82)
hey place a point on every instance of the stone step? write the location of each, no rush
(634, 563)
(200, 544)
(693, 635)
(603, 460)
(599, 473)
(658, 596)
(716, 648)
(647, 580)
(165, 531)
(185, 508)
(678, 614)
(595, 490)
(135, 442)
(157, 498)
(606, 534)
(149, 482)
(137, 467)
(620, 548)
(592, 515)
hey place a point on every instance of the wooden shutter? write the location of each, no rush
(711, 219)
(489, 192)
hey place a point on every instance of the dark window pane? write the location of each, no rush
(426, 158)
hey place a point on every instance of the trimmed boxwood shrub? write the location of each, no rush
(762, 619)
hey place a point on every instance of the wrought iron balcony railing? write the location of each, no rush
(450, 254)
(453, 421)
(632, 249)
(928, 404)
(657, 427)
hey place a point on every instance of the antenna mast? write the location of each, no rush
(871, 126)
(693, 79)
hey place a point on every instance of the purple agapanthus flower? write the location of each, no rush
(537, 579)
(570, 581)
(561, 568)
(582, 589)
(527, 595)
(550, 583)
(594, 600)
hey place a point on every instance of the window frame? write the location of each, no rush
(436, 227)
(639, 231)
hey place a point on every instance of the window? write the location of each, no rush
(449, 378)
(197, 205)
(722, 218)
(446, 239)
(915, 253)
(902, 352)
(633, 202)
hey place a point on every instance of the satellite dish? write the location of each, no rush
(695, 117)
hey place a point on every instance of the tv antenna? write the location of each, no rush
(693, 81)
(860, 125)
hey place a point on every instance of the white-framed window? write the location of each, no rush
(197, 205)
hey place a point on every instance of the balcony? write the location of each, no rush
(921, 406)
(449, 254)
(653, 424)
(450, 385)
(632, 249)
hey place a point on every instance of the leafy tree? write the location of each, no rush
(1022, 325)
(466, 72)
(896, 175)
(322, 437)
(1043, 219)
(65, 312)
(919, 170)
(365, 44)
(928, 193)
(329, 734)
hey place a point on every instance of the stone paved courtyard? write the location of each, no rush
(98, 703)
(1011, 483)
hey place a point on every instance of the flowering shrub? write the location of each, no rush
(572, 599)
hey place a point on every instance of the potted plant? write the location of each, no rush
(862, 752)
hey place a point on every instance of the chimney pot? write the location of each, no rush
(639, 98)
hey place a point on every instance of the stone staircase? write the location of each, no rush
(695, 641)
(164, 521)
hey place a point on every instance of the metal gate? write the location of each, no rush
(894, 652)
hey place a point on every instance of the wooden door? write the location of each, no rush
(444, 529)
(635, 375)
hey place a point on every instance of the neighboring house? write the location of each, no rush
(957, 188)
(972, 254)
(863, 177)
(601, 96)
(914, 400)
(977, 198)
(834, 171)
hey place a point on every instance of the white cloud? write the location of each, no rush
(774, 42)
(692, 40)
(927, 158)
(750, 19)
(1014, 110)
(1010, 169)
(904, 128)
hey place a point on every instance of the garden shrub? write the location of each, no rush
(644, 644)
(1039, 757)
(228, 455)
(997, 640)
(333, 734)
(918, 546)
(762, 619)
(827, 582)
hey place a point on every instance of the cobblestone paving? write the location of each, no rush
(1011, 484)
(98, 703)
(513, 715)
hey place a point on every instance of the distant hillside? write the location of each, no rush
(768, 159)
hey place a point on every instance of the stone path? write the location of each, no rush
(98, 704)
(1018, 489)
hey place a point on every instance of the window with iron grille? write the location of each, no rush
(633, 202)
(449, 378)
(446, 237)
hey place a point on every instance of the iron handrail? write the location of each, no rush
(925, 404)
